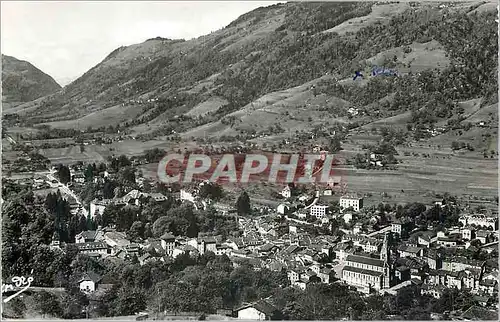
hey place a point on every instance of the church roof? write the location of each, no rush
(365, 260)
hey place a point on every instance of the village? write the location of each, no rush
(328, 236)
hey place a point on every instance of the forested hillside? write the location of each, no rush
(23, 82)
(286, 45)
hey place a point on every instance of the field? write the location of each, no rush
(99, 153)
(417, 178)
(109, 116)
(209, 105)
(379, 13)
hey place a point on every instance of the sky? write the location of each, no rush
(66, 38)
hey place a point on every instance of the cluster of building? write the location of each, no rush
(369, 255)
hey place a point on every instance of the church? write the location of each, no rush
(368, 273)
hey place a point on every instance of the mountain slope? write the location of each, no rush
(23, 82)
(165, 84)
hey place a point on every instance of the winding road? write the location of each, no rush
(64, 189)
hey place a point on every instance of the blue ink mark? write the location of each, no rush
(383, 71)
(358, 73)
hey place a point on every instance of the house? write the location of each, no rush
(283, 209)
(187, 195)
(424, 240)
(435, 291)
(145, 258)
(483, 236)
(432, 258)
(347, 217)
(89, 282)
(449, 241)
(116, 239)
(488, 287)
(301, 214)
(261, 310)
(477, 313)
(191, 251)
(158, 197)
(98, 206)
(410, 251)
(456, 264)
(168, 243)
(401, 226)
(351, 201)
(341, 251)
(295, 274)
(318, 211)
(93, 248)
(267, 249)
(79, 178)
(402, 273)
(468, 233)
(334, 181)
(358, 228)
(86, 236)
(204, 244)
(353, 111)
(479, 220)
(326, 275)
(133, 197)
(286, 192)
(222, 250)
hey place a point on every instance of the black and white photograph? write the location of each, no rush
(249, 160)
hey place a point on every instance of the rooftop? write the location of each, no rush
(365, 260)
(362, 271)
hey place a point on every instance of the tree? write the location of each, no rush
(74, 304)
(161, 226)
(48, 303)
(18, 307)
(136, 231)
(63, 174)
(334, 145)
(108, 190)
(127, 176)
(243, 204)
(455, 145)
(89, 173)
(211, 190)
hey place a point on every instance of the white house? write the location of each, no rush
(98, 206)
(282, 209)
(187, 195)
(93, 248)
(318, 211)
(351, 201)
(347, 218)
(479, 220)
(89, 282)
(260, 311)
(168, 243)
(286, 192)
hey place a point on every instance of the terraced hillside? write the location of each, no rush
(267, 50)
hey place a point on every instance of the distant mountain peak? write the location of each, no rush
(23, 82)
